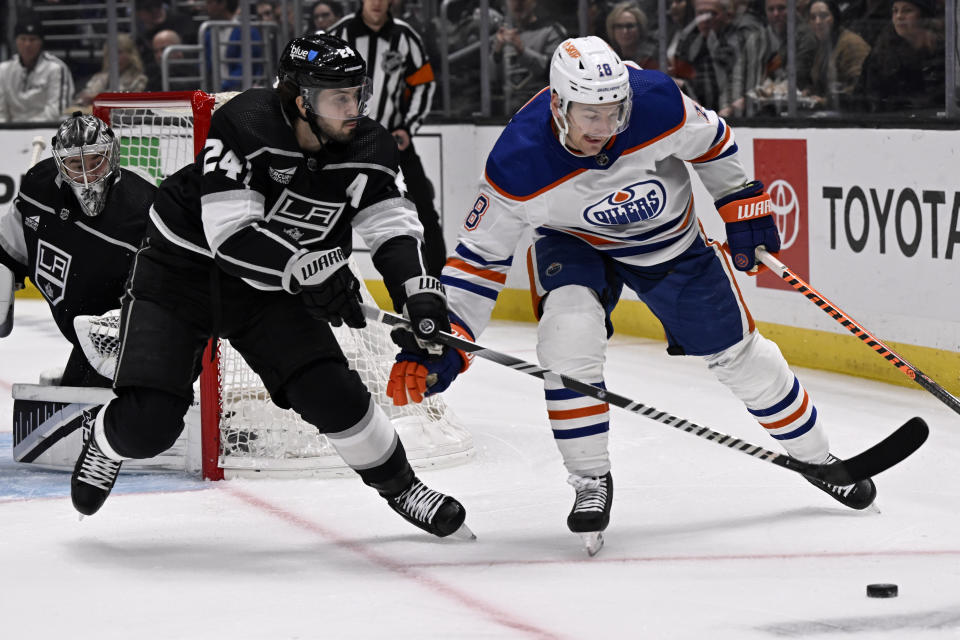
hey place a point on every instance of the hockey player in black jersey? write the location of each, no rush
(74, 229)
(250, 243)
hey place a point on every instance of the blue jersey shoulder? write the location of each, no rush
(524, 158)
(657, 108)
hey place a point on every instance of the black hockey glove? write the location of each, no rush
(424, 367)
(426, 309)
(337, 300)
(328, 288)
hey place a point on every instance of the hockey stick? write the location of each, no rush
(39, 144)
(888, 452)
(856, 329)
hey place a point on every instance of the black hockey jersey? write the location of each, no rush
(255, 201)
(78, 263)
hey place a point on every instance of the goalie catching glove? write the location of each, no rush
(424, 367)
(327, 286)
(747, 214)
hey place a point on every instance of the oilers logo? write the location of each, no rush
(636, 203)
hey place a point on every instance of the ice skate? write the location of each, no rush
(591, 509)
(93, 477)
(432, 511)
(859, 495)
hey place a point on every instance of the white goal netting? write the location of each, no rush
(157, 137)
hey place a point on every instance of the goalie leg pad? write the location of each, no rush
(572, 340)
(140, 423)
(756, 372)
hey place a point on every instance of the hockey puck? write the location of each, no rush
(882, 591)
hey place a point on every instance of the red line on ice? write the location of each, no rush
(408, 571)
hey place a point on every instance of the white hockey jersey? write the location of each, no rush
(633, 201)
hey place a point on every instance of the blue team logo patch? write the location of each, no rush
(636, 203)
(313, 54)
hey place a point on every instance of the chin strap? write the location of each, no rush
(311, 121)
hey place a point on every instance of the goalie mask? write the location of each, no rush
(587, 72)
(88, 157)
(330, 76)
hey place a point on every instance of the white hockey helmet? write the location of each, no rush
(587, 71)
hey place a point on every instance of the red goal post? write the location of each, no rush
(242, 432)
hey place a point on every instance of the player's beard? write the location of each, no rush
(336, 130)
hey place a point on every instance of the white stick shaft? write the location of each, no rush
(39, 144)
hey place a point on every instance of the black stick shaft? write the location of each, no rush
(878, 458)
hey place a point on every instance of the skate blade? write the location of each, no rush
(592, 542)
(463, 533)
(873, 508)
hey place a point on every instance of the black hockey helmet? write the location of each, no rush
(321, 60)
(88, 157)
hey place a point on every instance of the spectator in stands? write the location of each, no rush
(708, 56)
(267, 11)
(597, 12)
(153, 16)
(230, 50)
(866, 18)
(771, 86)
(629, 36)
(130, 75)
(905, 69)
(154, 69)
(680, 22)
(325, 13)
(839, 57)
(521, 53)
(35, 86)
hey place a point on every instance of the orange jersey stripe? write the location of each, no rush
(569, 414)
(792, 417)
(535, 298)
(533, 195)
(716, 150)
(486, 274)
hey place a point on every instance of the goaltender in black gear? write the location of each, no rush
(250, 243)
(74, 229)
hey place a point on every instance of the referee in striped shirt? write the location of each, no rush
(403, 87)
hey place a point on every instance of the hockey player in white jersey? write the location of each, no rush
(596, 166)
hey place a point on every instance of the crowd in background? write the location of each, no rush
(850, 56)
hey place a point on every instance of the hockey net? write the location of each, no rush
(243, 432)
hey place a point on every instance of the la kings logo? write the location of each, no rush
(314, 217)
(53, 267)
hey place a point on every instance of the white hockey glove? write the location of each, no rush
(99, 338)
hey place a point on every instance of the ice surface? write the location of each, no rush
(704, 542)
